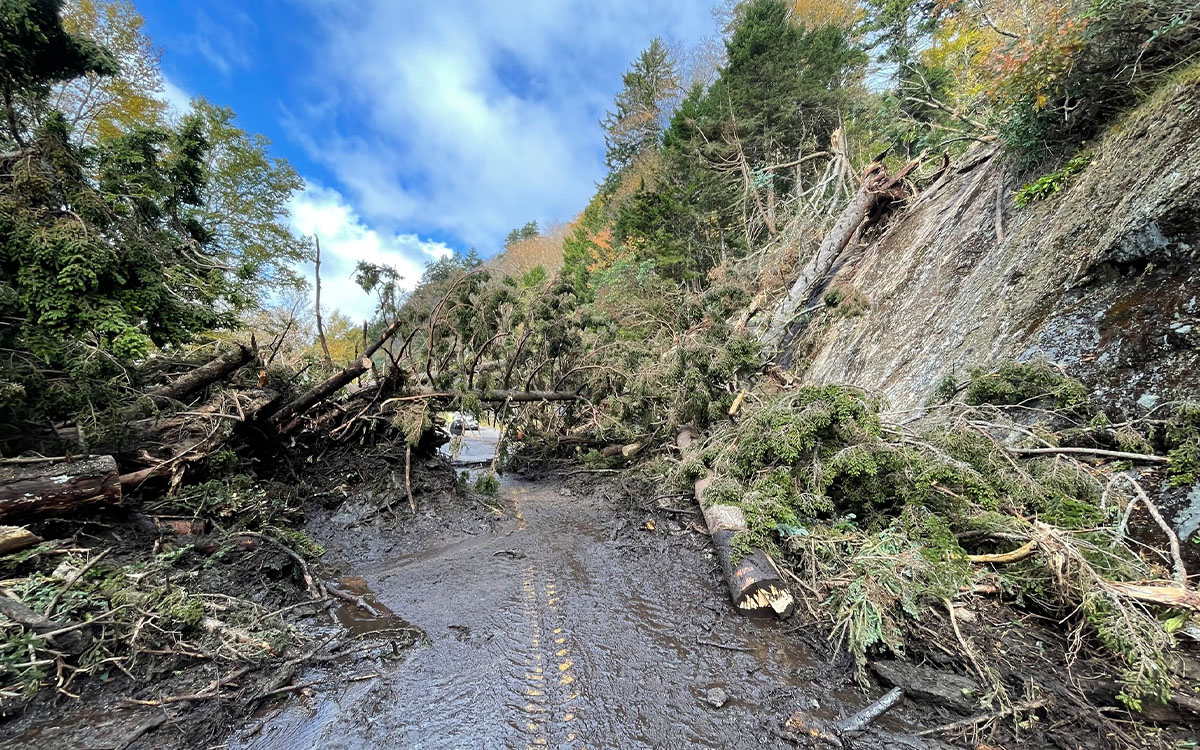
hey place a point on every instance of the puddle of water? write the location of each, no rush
(367, 616)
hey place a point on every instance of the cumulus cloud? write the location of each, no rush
(345, 240)
(466, 119)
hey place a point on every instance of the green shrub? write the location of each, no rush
(1183, 443)
(1049, 184)
(1019, 383)
(487, 483)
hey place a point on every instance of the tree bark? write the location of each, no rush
(754, 581)
(876, 186)
(217, 369)
(58, 486)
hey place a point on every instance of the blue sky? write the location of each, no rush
(419, 127)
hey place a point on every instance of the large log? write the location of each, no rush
(212, 371)
(754, 580)
(876, 188)
(58, 486)
(286, 419)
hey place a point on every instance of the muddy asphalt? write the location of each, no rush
(555, 618)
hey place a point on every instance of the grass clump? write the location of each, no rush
(1053, 182)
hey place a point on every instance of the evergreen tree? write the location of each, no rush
(784, 83)
(640, 110)
(108, 246)
(35, 52)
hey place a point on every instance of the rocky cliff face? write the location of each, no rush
(1102, 277)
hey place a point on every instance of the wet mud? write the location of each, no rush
(561, 623)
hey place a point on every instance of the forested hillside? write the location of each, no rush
(902, 292)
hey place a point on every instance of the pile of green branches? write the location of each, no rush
(881, 522)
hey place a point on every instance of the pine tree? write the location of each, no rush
(633, 127)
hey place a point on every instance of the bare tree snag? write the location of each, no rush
(16, 538)
(876, 188)
(59, 486)
(320, 324)
(215, 370)
(754, 580)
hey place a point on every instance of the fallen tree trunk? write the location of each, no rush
(754, 581)
(876, 189)
(286, 419)
(58, 486)
(216, 369)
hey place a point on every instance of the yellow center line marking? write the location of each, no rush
(565, 665)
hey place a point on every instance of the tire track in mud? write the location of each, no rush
(551, 683)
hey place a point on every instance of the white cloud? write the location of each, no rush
(472, 117)
(178, 100)
(225, 43)
(345, 240)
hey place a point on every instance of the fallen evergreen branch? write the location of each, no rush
(1144, 458)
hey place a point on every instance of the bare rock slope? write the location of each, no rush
(1102, 277)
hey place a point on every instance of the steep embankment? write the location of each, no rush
(1102, 277)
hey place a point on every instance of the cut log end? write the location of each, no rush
(778, 600)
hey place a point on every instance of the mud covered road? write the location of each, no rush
(562, 622)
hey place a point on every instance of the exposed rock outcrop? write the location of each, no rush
(1103, 277)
